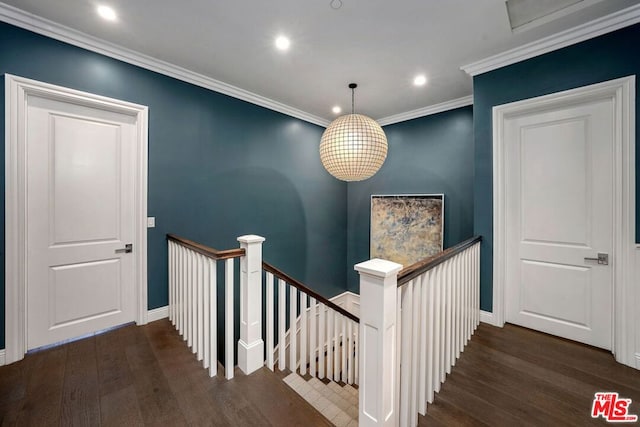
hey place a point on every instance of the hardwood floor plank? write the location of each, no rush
(157, 402)
(80, 401)
(450, 415)
(114, 373)
(189, 382)
(458, 390)
(42, 403)
(120, 408)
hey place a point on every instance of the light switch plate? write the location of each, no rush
(151, 221)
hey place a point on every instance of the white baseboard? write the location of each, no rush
(487, 317)
(2, 357)
(637, 360)
(157, 313)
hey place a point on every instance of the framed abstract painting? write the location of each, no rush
(406, 228)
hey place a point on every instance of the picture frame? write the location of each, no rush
(406, 228)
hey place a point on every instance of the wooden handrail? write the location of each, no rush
(296, 284)
(416, 269)
(206, 250)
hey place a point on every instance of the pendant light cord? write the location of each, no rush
(352, 100)
(353, 87)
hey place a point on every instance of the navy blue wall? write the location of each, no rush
(432, 154)
(604, 58)
(218, 167)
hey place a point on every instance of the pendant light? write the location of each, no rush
(354, 146)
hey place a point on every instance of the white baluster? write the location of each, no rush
(475, 282)
(356, 357)
(406, 344)
(329, 343)
(313, 333)
(206, 299)
(471, 296)
(336, 346)
(449, 316)
(213, 317)
(228, 323)
(423, 349)
(415, 349)
(437, 328)
(303, 333)
(270, 319)
(400, 351)
(343, 349)
(321, 341)
(170, 265)
(282, 304)
(191, 305)
(349, 350)
(293, 328)
(459, 337)
(431, 320)
(443, 322)
(200, 301)
(188, 308)
(183, 299)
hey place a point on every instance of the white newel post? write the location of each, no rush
(378, 295)
(251, 346)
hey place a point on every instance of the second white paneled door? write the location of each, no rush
(80, 186)
(559, 217)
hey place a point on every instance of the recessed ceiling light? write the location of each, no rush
(336, 109)
(107, 13)
(420, 80)
(282, 43)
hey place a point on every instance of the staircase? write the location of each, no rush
(414, 321)
(338, 404)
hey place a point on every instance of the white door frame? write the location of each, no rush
(17, 91)
(622, 93)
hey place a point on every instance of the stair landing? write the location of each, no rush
(338, 404)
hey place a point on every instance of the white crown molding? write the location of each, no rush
(426, 111)
(28, 21)
(589, 30)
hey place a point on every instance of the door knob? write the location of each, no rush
(602, 259)
(128, 248)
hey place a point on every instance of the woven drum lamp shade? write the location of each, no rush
(353, 147)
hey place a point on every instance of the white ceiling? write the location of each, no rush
(381, 45)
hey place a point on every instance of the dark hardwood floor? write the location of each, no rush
(141, 376)
(146, 376)
(514, 376)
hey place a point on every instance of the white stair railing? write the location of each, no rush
(193, 301)
(322, 337)
(414, 325)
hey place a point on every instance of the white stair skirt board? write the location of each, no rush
(338, 404)
(157, 313)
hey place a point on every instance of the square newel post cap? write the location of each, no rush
(378, 267)
(251, 238)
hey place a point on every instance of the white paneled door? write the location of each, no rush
(80, 198)
(559, 218)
